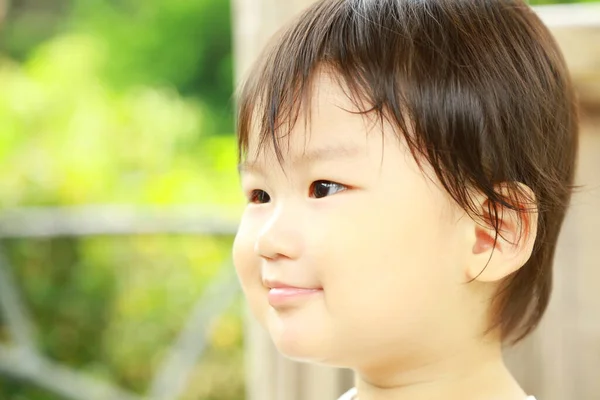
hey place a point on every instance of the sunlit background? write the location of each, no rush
(118, 201)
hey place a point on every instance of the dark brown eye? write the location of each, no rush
(320, 189)
(259, 197)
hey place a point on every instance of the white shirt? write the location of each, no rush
(351, 395)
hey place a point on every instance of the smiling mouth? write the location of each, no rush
(282, 296)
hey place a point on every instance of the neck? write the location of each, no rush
(478, 373)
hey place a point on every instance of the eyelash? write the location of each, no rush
(258, 196)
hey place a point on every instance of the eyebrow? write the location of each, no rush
(324, 153)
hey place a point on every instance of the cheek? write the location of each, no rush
(247, 266)
(391, 264)
(242, 252)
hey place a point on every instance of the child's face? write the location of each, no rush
(377, 255)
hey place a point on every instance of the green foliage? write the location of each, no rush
(110, 111)
(68, 137)
(180, 44)
(29, 23)
(110, 307)
(177, 43)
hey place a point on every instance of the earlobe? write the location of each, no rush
(498, 254)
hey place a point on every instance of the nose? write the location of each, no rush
(280, 237)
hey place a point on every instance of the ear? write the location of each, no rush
(496, 255)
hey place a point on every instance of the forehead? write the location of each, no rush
(328, 121)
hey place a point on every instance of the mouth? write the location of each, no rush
(281, 295)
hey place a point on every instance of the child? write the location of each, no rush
(408, 165)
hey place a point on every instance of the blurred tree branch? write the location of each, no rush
(22, 361)
(17, 319)
(27, 365)
(175, 371)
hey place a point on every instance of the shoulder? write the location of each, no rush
(351, 394)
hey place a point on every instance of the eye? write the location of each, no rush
(258, 196)
(320, 189)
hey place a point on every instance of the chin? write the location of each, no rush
(298, 339)
(305, 353)
(314, 355)
(297, 351)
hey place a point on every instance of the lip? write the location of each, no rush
(282, 296)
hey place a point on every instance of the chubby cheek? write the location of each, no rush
(247, 266)
(387, 267)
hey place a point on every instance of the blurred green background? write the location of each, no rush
(120, 102)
